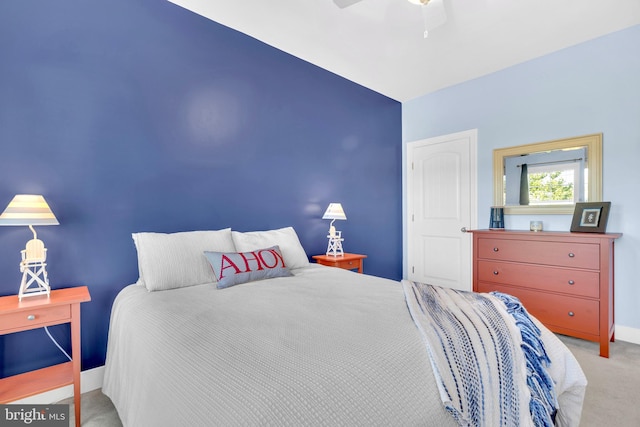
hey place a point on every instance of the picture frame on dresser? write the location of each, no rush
(590, 217)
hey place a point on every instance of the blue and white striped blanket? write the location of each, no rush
(487, 356)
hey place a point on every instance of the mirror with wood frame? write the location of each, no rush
(548, 177)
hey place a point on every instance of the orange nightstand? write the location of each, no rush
(346, 261)
(62, 306)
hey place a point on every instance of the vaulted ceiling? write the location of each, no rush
(380, 44)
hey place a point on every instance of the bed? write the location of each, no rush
(308, 346)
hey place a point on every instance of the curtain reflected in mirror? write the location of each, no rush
(524, 185)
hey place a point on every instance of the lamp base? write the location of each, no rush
(32, 292)
(334, 247)
(34, 272)
(34, 281)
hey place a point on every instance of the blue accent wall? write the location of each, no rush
(141, 116)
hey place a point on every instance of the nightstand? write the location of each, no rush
(62, 306)
(346, 261)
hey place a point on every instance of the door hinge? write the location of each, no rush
(413, 269)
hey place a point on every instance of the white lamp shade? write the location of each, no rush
(334, 211)
(28, 209)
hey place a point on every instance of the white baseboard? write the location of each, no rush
(625, 333)
(89, 380)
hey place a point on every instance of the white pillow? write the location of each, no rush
(176, 260)
(286, 238)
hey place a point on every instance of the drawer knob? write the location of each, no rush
(571, 314)
(571, 254)
(495, 249)
(495, 273)
(31, 317)
(571, 282)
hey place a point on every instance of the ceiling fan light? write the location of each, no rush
(421, 2)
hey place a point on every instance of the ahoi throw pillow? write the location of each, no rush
(233, 268)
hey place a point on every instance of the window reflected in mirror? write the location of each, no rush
(552, 177)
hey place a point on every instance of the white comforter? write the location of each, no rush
(325, 347)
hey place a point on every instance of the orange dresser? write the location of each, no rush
(564, 279)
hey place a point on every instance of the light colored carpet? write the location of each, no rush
(611, 398)
(614, 383)
(96, 411)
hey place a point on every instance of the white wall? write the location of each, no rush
(590, 88)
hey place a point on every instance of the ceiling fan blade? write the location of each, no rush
(345, 3)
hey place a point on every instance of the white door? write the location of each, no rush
(441, 204)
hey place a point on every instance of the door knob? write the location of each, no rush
(463, 229)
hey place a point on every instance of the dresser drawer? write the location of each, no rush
(565, 312)
(35, 318)
(563, 254)
(575, 282)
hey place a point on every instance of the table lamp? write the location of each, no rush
(333, 212)
(30, 210)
